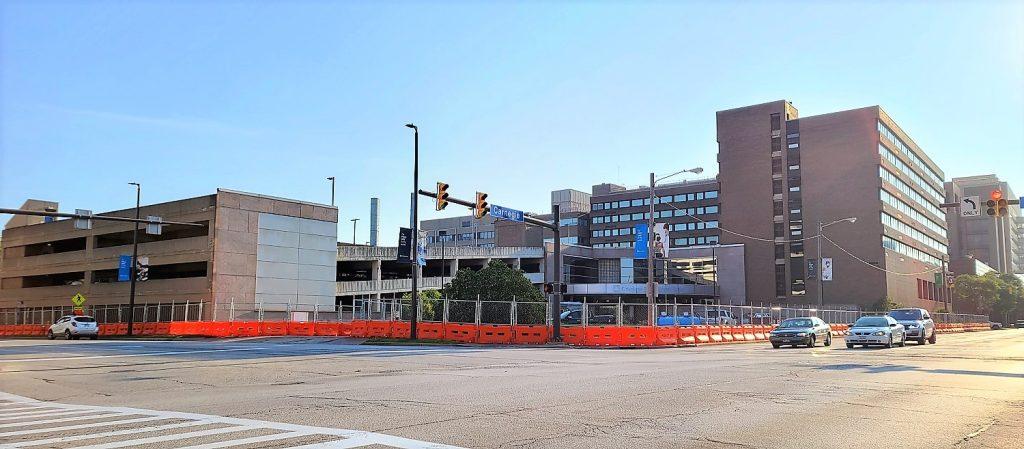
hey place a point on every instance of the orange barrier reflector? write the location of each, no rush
(401, 329)
(359, 328)
(463, 333)
(273, 328)
(430, 331)
(601, 336)
(531, 335)
(495, 334)
(688, 335)
(573, 335)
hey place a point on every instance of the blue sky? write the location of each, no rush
(273, 97)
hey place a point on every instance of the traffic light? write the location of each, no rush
(548, 289)
(481, 208)
(442, 196)
(997, 205)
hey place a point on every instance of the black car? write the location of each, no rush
(806, 331)
(571, 317)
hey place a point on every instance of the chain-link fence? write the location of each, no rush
(111, 313)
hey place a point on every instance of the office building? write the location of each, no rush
(979, 236)
(689, 208)
(781, 175)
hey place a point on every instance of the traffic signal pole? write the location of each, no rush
(414, 254)
(135, 258)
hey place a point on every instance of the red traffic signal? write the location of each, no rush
(996, 195)
(442, 196)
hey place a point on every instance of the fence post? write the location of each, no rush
(618, 312)
(478, 310)
(444, 317)
(231, 314)
(512, 312)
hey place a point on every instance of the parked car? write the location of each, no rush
(1019, 324)
(876, 330)
(806, 331)
(724, 317)
(758, 318)
(917, 323)
(571, 317)
(74, 327)
(994, 325)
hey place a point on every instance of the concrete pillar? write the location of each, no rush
(453, 265)
(517, 263)
(375, 268)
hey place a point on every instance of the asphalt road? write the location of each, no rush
(966, 391)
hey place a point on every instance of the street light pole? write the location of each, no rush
(414, 253)
(135, 257)
(331, 178)
(354, 221)
(652, 286)
(821, 282)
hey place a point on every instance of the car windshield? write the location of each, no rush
(906, 314)
(796, 322)
(872, 321)
(85, 319)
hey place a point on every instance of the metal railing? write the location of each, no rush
(108, 313)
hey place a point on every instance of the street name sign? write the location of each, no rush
(506, 213)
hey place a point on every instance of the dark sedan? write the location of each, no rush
(807, 331)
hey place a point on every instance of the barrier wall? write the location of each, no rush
(593, 336)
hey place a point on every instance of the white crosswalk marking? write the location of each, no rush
(136, 427)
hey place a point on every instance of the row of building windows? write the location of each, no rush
(565, 240)
(903, 187)
(690, 211)
(622, 218)
(690, 241)
(909, 251)
(913, 232)
(696, 196)
(902, 206)
(891, 157)
(614, 245)
(710, 224)
(568, 222)
(611, 232)
(462, 237)
(927, 290)
(905, 149)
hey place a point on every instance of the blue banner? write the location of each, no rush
(124, 269)
(640, 245)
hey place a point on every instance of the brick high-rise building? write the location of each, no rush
(781, 175)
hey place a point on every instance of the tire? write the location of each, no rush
(811, 342)
(889, 344)
(849, 346)
(922, 340)
(49, 334)
(903, 341)
(828, 340)
(933, 338)
(67, 335)
(776, 345)
(93, 337)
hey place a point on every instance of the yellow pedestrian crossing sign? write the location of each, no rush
(78, 300)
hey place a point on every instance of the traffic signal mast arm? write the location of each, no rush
(471, 205)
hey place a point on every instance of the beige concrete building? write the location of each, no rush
(252, 248)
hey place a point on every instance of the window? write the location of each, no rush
(465, 224)
(711, 224)
(712, 240)
(608, 205)
(794, 167)
(776, 144)
(595, 233)
(793, 145)
(777, 208)
(711, 194)
(598, 206)
(776, 165)
(794, 189)
(680, 198)
(700, 211)
(624, 203)
(776, 122)
(485, 235)
(792, 135)
(700, 196)
(637, 202)
(901, 206)
(466, 236)
(691, 197)
(796, 249)
(777, 186)
(780, 230)
(780, 251)
(679, 213)
(711, 209)
(780, 280)
(568, 222)
(637, 216)
(794, 211)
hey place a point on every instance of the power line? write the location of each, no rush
(876, 266)
(740, 234)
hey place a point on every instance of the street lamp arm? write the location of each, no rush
(849, 219)
(696, 170)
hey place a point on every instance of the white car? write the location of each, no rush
(74, 327)
(881, 330)
(723, 317)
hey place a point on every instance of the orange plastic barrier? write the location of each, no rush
(703, 334)
(601, 336)
(344, 329)
(759, 333)
(724, 334)
(430, 331)
(122, 329)
(666, 336)
(531, 335)
(464, 333)
(687, 335)
(273, 328)
(325, 329)
(303, 328)
(737, 333)
(495, 334)
(401, 329)
(163, 329)
(5, 330)
(359, 328)
(378, 329)
(573, 336)
(242, 328)
(177, 328)
(145, 328)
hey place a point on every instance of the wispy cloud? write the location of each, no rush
(180, 123)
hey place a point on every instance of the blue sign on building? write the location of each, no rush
(505, 213)
(124, 269)
(640, 245)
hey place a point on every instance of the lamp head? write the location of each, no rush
(697, 170)
(410, 125)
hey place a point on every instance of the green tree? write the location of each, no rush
(975, 294)
(495, 282)
(430, 305)
(1009, 302)
(885, 304)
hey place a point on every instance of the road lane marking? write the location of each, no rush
(36, 413)
(337, 438)
(148, 354)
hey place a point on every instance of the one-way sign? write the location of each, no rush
(969, 206)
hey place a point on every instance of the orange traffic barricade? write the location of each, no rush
(687, 335)
(303, 328)
(573, 335)
(495, 334)
(344, 329)
(601, 336)
(379, 329)
(430, 331)
(666, 336)
(531, 334)
(401, 329)
(639, 336)
(273, 328)
(715, 333)
(464, 333)
(358, 328)
(325, 329)
(748, 333)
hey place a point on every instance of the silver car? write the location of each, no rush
(876, 330)
(74, 327)
(918, 324)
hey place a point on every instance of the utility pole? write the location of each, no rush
(652, 286)
(354, 221)
(135, 257)
(415, 229)
(821, 282)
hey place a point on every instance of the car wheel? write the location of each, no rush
(93, 337)
(49, 334)
(828, 340)
(810, 342)
(922, 340)
(776, 346)
(67, 335)
(903, 341)
(889, 344)
(932, 339)
(849, 346)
